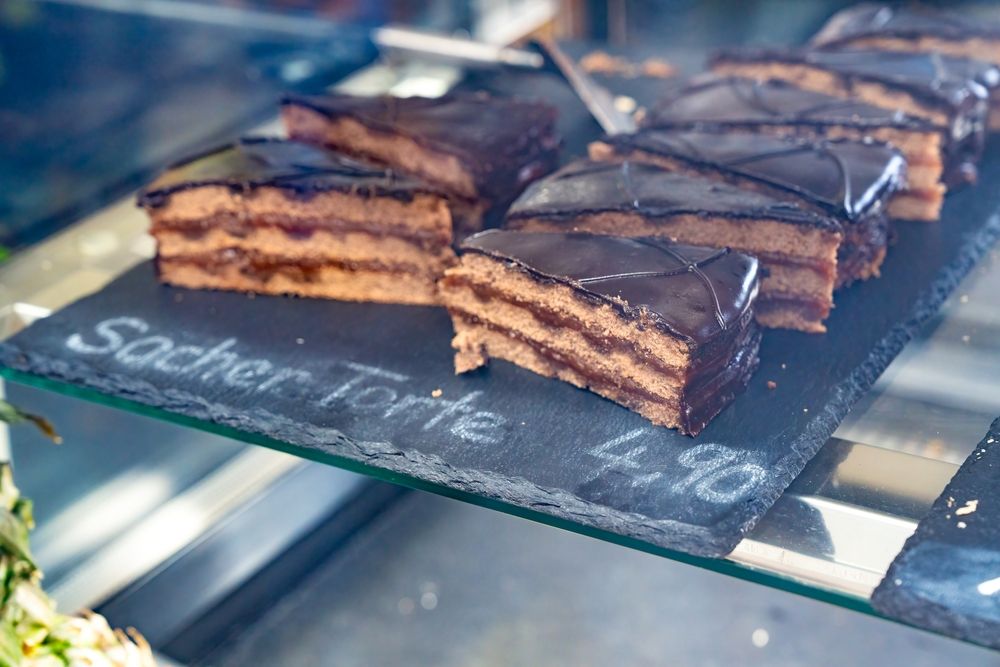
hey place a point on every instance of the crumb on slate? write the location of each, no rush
(771, 384)
(437, 393)
(969, 507)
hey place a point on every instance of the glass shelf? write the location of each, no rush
(865, 490)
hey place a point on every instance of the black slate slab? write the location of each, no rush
(947, 577)
(353, 384)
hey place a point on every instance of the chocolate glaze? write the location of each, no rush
(294, 167)
(849, 179)
(692, 293)
(584, 187)
(720, 102)
(734, 104)
(502, 142)
(936, 80)
(905, 22)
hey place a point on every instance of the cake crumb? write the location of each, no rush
(437, 393)
(300, 341)
(961, 524)
(969, 507)
(771, 384)
(783, 366)
(950, 501)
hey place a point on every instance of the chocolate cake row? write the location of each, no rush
(642, 272)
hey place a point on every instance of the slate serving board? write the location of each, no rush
(355, 384)
(947, 577)
(352, 384)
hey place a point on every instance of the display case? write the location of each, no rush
(228, 546)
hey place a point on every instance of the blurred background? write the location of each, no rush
(225, 554)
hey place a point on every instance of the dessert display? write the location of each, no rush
(283, 217)
(952, 93)
(797, 247)
(666, 330)
(750, 194)
(480, 149)
(851, 181)
(738, 105)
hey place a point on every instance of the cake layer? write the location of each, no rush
(473, 145)
(912, 28)
(493, 282)
(296, 168)
(476, 344)
(328, 281)
(847, 179)
(276, 217)
(852, 181)
(664, 329)
(917, 29)
(952, 93)
(930, 86)
(726, 105)
(799, 248)
(317, 247)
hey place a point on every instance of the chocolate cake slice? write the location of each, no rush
(481, 149)
(916, 29)
(952, 93)
(796, 247)
(282, 217)
(666, 330)
(848, 180)
(738, 105)
(913, 28)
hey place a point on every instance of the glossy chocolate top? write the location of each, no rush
(494, 138)
(906, 22)
(290, 165)
(932, 78)
(630, 187)
(719, 102)
(846, 178)
(690, 292)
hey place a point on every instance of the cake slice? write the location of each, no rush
(734, 105)
(282, 217)
(481, 149)
(919, 29)
(666, 330)
(847, 180)
(952, 93)
(797, 248)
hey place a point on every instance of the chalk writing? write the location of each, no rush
(718, 474)
(363, 389)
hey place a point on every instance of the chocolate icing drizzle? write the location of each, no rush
(495, 138)
(846, 178)
(711, 101)
(930, 77)
(585, 186)
(691, 292)
(880, 20)
(293, 166)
